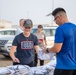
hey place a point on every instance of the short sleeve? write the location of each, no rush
(15, 43)
(59, 36)
(44, 36)
(35, 40)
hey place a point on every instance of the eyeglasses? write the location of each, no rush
(28, 27)
(56, 18)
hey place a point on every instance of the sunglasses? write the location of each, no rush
(28, 27)
(56, 18)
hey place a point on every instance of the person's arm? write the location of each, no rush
(12, 54)
(58, 41)
(36, 44)
(56, 48)
(45, 40)
(36, 48)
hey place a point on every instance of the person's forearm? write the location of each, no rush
(56, 48)
(12, 55)
(45, 42)
(12, 51)
(51, 49)
(14, 58)
(37, 49)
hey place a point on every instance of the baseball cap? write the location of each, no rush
(28, 23)
(40, 26)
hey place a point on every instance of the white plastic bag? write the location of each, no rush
(20, 70)
(45, 56)
(4, 71)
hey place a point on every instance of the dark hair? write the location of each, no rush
(57, 10)
(40, 26)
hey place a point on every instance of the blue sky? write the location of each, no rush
(36, 10)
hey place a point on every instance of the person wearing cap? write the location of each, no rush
(42, 42)
(23, 44)
(20, 28)
(64, 44)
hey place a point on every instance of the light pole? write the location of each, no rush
(0, 9)
(52, 9)
(27, 14)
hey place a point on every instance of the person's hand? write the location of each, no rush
(45, 46)
(45, 49)
(16, 60)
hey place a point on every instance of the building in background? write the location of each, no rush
(7, 24)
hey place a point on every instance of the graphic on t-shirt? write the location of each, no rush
(41, 40)
(27, 45)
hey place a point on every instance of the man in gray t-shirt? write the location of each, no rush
(42, 42)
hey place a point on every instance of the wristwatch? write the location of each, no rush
(47, 50)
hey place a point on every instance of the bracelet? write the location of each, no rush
(47, 50)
